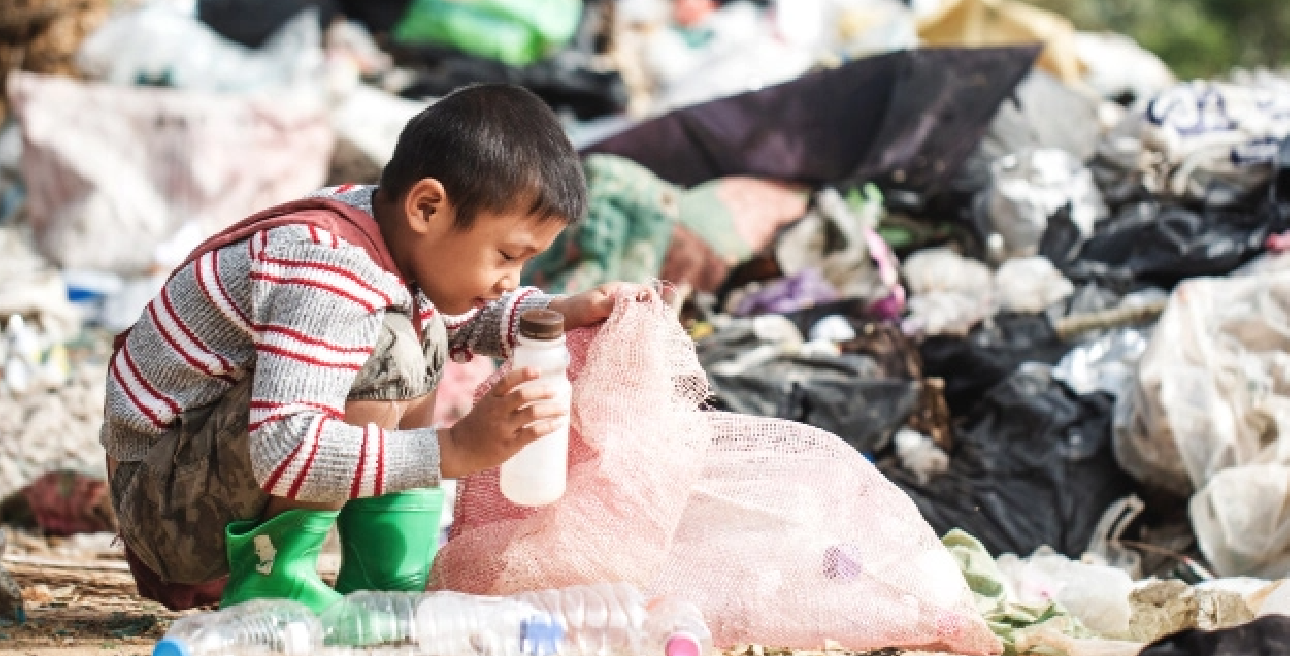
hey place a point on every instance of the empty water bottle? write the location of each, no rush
(435, 623)
(255, 628)
(599, 620)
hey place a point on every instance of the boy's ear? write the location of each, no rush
(426, 206)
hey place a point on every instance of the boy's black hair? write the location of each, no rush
(494, 148)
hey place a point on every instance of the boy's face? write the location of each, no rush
(460, 270)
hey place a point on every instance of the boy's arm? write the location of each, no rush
(317, 312)
(492, 331)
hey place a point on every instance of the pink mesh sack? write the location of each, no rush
(782, 533)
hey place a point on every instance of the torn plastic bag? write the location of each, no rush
(973, 364)
(1151, 243)
(108, 189)
(1210, 388)
(1096, 594)
(157, 45)
(1242, 521)
(911, 117)
(1031, 466)
(846, 394)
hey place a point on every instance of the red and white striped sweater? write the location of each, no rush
(299, 310)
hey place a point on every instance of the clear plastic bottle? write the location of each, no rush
(599, 620)
(604, 619)
(254, 628)
(432, 624)
(537, 475)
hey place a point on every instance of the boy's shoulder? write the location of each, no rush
(304, 235)
(356, 196)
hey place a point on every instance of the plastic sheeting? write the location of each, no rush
(107, 189)
(848, 394)
(971, 365)
(911, 117)
(1031, 466)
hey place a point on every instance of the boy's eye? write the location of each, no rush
(508, 257)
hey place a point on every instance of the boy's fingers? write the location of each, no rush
(513, 379)
(537, 430)
(539, 412)
(529, 393)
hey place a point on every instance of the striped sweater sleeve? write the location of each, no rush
(493, 330)
(317, 310)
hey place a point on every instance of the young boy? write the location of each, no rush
(281, 381)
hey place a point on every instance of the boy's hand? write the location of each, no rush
(499, 425)
(591, 307)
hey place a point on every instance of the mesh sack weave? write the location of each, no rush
(782, 533)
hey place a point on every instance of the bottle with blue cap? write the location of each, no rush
(261, 626)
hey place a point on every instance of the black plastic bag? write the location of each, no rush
(1032, 466)
(563, 82)
(909, 118)
(844, 394)
(1163, 245)
(252, 22)
(972, 365)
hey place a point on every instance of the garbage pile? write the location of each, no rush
(1029, 275)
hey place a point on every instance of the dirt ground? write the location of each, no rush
(86, 605)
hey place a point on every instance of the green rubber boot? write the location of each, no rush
(388, 542)
(278, 559)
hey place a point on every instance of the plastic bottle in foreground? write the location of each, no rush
(537, 475)
(600, 620)
(254, 628)
(430, 624)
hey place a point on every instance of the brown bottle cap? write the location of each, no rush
(542, 324)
